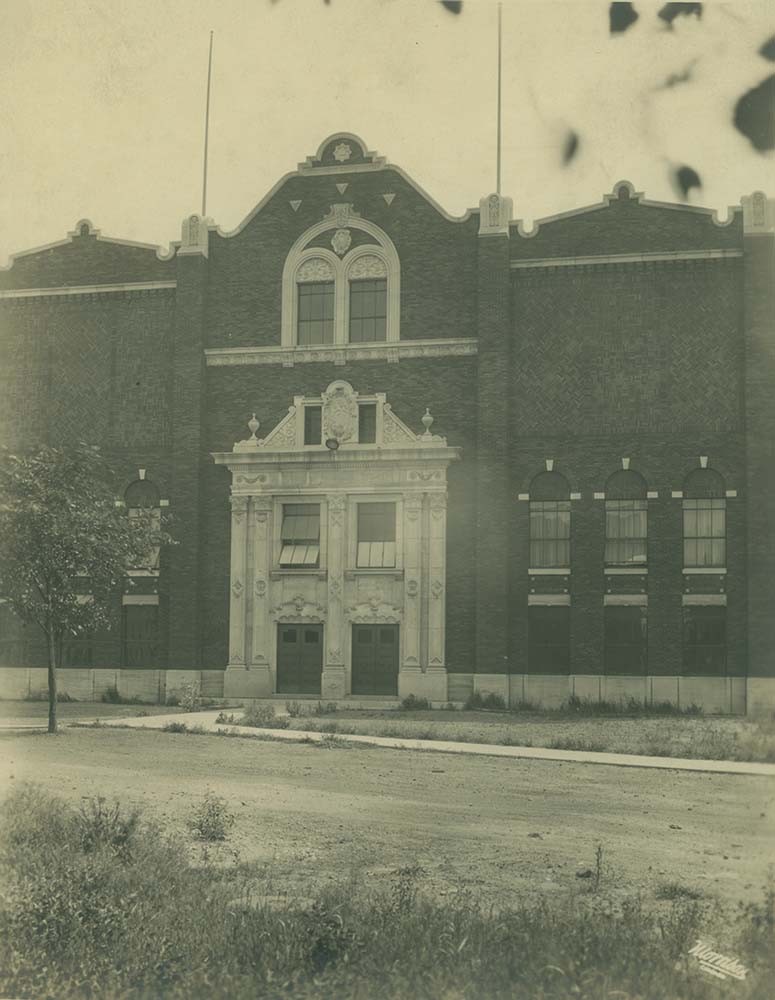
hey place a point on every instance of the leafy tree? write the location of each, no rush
(66, 545)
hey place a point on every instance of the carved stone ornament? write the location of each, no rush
(374, 609)
(493, 209)
(341, 241)
(284, 434)
(299, 608)
(437, 588)
(394, 431)
(260, 587)
(340, 214)
(315, 269)
(239, 506)
(367, 266)
(340, 412)
(342, 152)
(236, 657)
(236, 588)
(335, 656)
(413, 588)
(759, 205)
(335, 586)
(438, 505)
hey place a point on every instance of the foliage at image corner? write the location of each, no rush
(65, 541)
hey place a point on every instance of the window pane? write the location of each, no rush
(367, 423)
(368, 310)
(312, 424)
(550, 533)
(316, 313)
(625, 639)
(704, 647)
(363, 553)
(548, 639)
(376, 522)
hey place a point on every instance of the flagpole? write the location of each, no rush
(500, 47)
(207, 128)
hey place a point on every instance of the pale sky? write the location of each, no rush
(103, 104)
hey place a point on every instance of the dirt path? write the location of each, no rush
(313, 815)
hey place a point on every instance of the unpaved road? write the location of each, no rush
(313, 814)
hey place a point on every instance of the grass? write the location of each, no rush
(133, 916)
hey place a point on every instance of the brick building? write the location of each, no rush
(411, 453)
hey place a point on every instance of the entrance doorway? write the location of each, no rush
(375, 659)
(299, 659)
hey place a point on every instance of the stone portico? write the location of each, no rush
(338, 472)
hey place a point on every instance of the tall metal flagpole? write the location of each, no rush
(207, 128)
(500, 47)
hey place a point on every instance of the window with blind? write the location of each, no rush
(625, 532)
(376, 535)
(549, 533)
(705, 532)
(315, 312)
(705, 639)
(368, 310)
(300, 535)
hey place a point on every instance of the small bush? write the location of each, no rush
(111, 696)
(211, 819)
(189, 695)
(175, 727)
(489, 702)
(99, 825)
(295, 709)
(330, 708)
(222, 719)
(262, 717)
(675, 890)
(62, 696)
(414, 704)
(330, 741)
(172, 700)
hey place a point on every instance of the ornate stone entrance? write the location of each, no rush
(339, 520)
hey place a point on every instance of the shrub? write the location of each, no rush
(211, 819)
(295, 709)
(175, 727)
(111, 695)
(62, 696)
(99, 825)
(189, 695)
(330, 741)
(262, 717)
(414, 704)
(489, 702)
(222, 719)
(330, 708)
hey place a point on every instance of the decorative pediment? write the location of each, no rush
(299, 609)
(374, 610)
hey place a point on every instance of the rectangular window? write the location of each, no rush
(313, 427)
(376, 534)
(316, 312)
(300, 535)
(705, 639)
(367, 423)
(550, 533)
(625, 532)
(140, 639)
(705, 532)
(548, 650)
(625, 638)
(147, 517)
(368, 310)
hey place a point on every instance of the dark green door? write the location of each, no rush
(299, 658)
(375, 659)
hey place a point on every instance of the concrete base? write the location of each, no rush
(241, 682)
(760, 695)
(432, 684)
(332, 683)
(497, 684)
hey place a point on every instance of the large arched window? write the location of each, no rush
(549, 521)
(704, 520)
(625, 519)
(348, 294)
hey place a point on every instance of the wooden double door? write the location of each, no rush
(299, 659)
(375, 659)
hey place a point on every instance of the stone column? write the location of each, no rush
(437, 559)
(409, 678)
(333, 684)
(237, 602)
(262, 638)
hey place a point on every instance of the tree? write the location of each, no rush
(66, 544)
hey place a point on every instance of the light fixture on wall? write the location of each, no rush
(332, 444)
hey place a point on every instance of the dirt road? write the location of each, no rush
(494, 827)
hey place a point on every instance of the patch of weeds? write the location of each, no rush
(62, 696)
(513, 741)
(449, 707)
(262, 717)
(676, 890)
(330, 741)
(329, 727)
(172, 700)
(111, 696)
(756, 741)
(211, 819)
(99, 825)
(175, 727)
(189, 696)
(295, 709)
(525, 705)
(330, 708)
(488, 702)
(414, 704)
(222, 719)
(577, 743)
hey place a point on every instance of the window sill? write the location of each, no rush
(281, 571)
(397, 574)
(705, 570)
(549, 571)
(626, 571)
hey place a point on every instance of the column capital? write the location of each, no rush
(758, 213)
(495, 214)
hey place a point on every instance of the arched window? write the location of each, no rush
(549, 521)
(625, 519)
(704, 519)
(142, 500)
(346, 295)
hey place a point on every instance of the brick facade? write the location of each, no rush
(628, 330)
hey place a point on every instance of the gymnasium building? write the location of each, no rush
(410, 453)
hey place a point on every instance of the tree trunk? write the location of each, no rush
(52, 682)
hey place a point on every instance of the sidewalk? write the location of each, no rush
(206, 721)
